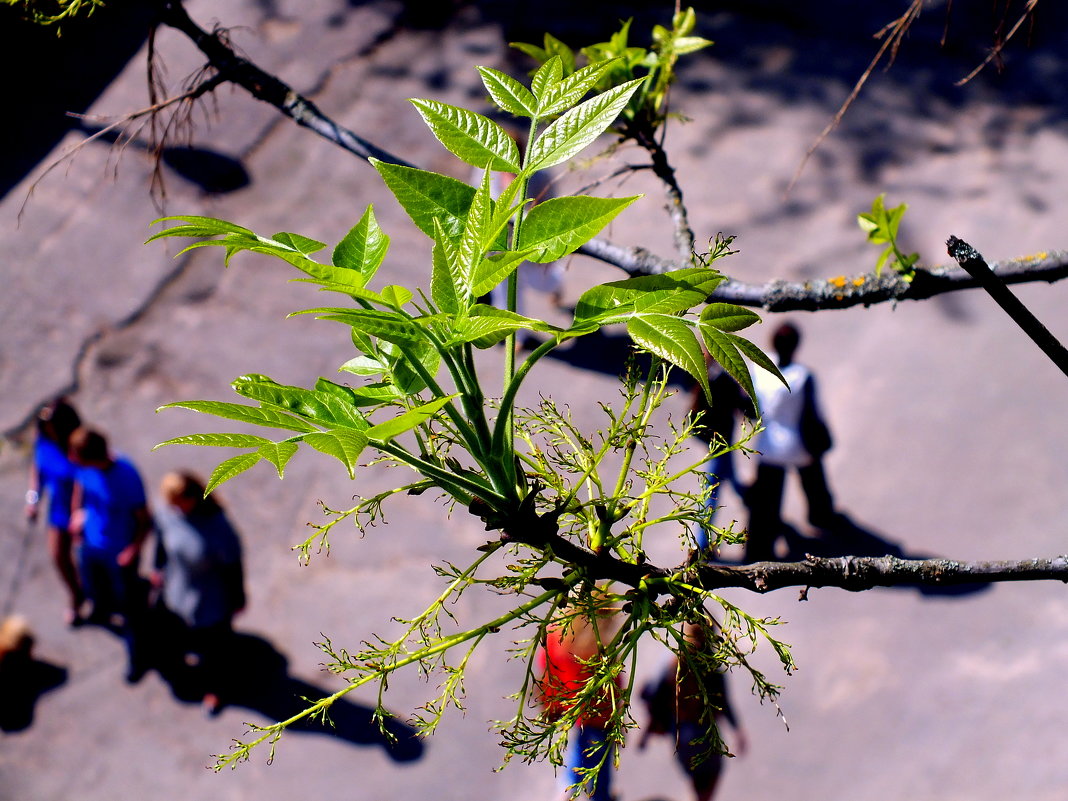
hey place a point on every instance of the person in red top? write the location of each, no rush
(568, 661)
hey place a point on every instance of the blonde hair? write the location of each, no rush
(15, 636)
(179, 485)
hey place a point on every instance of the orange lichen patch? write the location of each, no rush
(858, 281)
(1040, 256)
(838, 281)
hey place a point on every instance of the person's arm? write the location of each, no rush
(77, 511)
(33, 493)
(142, 525)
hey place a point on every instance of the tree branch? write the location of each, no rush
(838, 292)
(856, 573)
(266, 87)
(971, 261)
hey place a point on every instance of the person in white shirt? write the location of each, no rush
(794, 436)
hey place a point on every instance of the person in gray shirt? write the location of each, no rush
(200, 572)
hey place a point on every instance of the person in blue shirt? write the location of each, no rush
(110, 517)
(52, 477)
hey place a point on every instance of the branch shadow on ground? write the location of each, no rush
(609, 352)
(259, 680)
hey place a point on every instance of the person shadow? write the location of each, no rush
(608, 350)
(23, 680)
(845, 537)
(260, 681)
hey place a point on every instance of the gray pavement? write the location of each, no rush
(948, 423)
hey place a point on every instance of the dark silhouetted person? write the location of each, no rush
(111, 520)
(682, 704)
(794, 436)
(202, 578)
(52, 477)
(566, 663)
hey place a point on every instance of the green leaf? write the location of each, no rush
(344, 445)
(323, 408)
(672, 339)
(690, 44)
(724, 349)
(396, 296)
(382, 324)
(728, 317)
(444, 272)
(508, 93)
(364, 365)
(572, 89)
(233, 466)
(364, 247)
(278, 454)
(756, 355)
(403, 372)
(554, 47)
(246, 414)
(676, 291)
(352, 290)
(218, 440)
(488, 325)
(196, 227)
(427, 196)
(494, 269)
(559, 226)
(383, 432)
(471, 137)
(470, 248)
(539, 54)
(577, 128)
(547, 76)
(301, 244)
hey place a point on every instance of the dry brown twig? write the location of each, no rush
(150, 111)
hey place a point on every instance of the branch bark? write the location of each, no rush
(856, 573)
(853, 573)
(971, 261)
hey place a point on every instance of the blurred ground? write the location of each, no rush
(950, 439)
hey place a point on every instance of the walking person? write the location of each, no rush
(682, 702)
(110, 519)
(795, 436)
(199, 569)
(52, 477)
(567, 663)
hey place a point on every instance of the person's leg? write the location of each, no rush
(61, 547)
(715, 476)
(94, 583)
(210, 644)
(129, 600)
(596, 760)
(764, 500)
(701, 766)
(820, 503)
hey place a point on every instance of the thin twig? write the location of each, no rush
(995, 51)
(197, 91)
(897, 30)
(268, 88)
